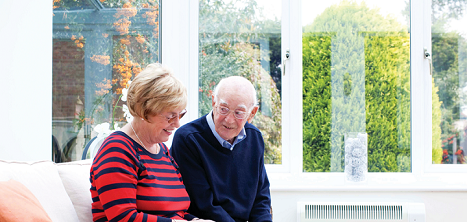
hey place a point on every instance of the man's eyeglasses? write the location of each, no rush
(180, 115)
(237, 113)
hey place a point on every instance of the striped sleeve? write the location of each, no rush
(114, 179)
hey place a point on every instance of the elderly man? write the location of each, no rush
(220, 156)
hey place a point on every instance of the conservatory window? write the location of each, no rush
(98, 47)
(244, 38)
(449, 71)
(356, 79)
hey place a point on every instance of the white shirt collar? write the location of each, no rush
(241, 136)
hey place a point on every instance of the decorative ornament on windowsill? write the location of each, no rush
(356, 157)
(103, 130)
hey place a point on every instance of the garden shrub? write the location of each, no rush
(356, 80)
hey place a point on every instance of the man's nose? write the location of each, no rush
(230, 117)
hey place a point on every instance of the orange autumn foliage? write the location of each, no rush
(55, 2)
(103, 87)
(101, 59)
(125, 67)
(122, 25)
(79, 42)
(125, 41)
(140, 39)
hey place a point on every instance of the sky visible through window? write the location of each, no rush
(386, 8)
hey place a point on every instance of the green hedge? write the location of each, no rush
(356, 78)
(316, 103)
(386, 97)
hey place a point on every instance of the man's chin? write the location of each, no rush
(227, 137)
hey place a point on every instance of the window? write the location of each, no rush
(236, 38)
(353, 66)
(345, 84)
(356, 78)
(98, 47)
(449, 69)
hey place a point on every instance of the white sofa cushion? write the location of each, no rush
(43, 180)
(75, 178)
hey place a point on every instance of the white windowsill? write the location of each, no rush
(375, 182)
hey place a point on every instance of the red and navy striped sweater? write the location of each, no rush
(130, 184)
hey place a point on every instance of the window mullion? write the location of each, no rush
(294, 76)
(420, 85)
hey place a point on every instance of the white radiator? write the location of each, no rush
(360, 212)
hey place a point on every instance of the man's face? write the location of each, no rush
(227, 124)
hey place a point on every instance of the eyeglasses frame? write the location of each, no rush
(180, 116)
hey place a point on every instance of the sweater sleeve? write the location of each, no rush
(189, 217)
(261, 211)
(185, 152)
(115, 179)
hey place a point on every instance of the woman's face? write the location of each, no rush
(162, 125)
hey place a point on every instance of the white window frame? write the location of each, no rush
(180, 48)
(452, 169)
(180, 51)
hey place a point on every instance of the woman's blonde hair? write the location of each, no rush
(154, 90)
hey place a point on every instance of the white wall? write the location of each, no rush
(439, 206)
(26, 113)
(26, 80)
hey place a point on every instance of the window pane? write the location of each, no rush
(243, 37)
(356, 79)
(449, 96)
(96, 51)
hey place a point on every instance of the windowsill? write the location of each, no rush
(375, 182)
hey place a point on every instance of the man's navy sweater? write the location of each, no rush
(223, 185)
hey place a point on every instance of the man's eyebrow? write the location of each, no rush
(242, 106)
(222, 102)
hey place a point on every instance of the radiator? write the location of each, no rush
(360, 212)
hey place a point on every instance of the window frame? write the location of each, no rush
(289, 175)
(180, 48)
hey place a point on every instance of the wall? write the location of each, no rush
(68, 64)
(26, 112)
(26, 77)
(439, 206)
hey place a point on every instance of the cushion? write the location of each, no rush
(75, 178)
(42, 179)
(18, 204)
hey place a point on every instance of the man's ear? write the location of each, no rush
(252, 114)
(213, 101)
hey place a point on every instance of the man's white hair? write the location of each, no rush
(244, 80)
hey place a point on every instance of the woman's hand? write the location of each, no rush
(202, 220)
(195, 219)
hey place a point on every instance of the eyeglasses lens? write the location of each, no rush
(238, 114)
(182, 114)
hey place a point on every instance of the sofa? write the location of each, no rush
(45, 191)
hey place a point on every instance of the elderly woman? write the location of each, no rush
(133, 176)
